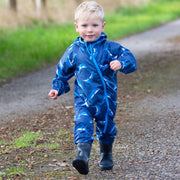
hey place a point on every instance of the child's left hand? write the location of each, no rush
(115, 65)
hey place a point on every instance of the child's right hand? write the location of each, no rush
(53, 94)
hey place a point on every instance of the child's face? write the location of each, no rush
(89, 28)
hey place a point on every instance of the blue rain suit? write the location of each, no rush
(95, 86)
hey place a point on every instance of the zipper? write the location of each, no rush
(103, 82)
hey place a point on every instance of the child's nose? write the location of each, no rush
(89, 28)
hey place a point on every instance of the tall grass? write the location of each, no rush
(26, 49)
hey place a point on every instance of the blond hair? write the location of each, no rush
(87, 8)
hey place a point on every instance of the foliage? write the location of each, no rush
(26, 49)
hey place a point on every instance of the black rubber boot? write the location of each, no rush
(106, 162)
(81, 161)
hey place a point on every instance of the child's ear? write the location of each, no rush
(76, 26)
(103, 26)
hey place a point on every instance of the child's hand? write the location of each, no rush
(115, 65)
(53, 94)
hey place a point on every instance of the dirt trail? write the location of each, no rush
(28, 95)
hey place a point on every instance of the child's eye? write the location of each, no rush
(95, 25)
(84, 25)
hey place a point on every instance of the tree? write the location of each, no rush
(12, 5)
(40, 6)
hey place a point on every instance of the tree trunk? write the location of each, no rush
(12, 5)
(43, 2)
(40, 6)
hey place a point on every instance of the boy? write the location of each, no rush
(94, 61)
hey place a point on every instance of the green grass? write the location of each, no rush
(27, 139)
(49, 145)
(16, 171)
(2, 142)
(26, 49)
(130, 20)
(30, 139)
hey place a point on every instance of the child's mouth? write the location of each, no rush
(90, 36)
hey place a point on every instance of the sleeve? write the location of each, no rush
(127, 60)
(64, 71)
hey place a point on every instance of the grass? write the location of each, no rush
(30, 139)
(27, 139)
(15, 171)
(2, 142)
(133, 19)
(49, 145)
(26, 49)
